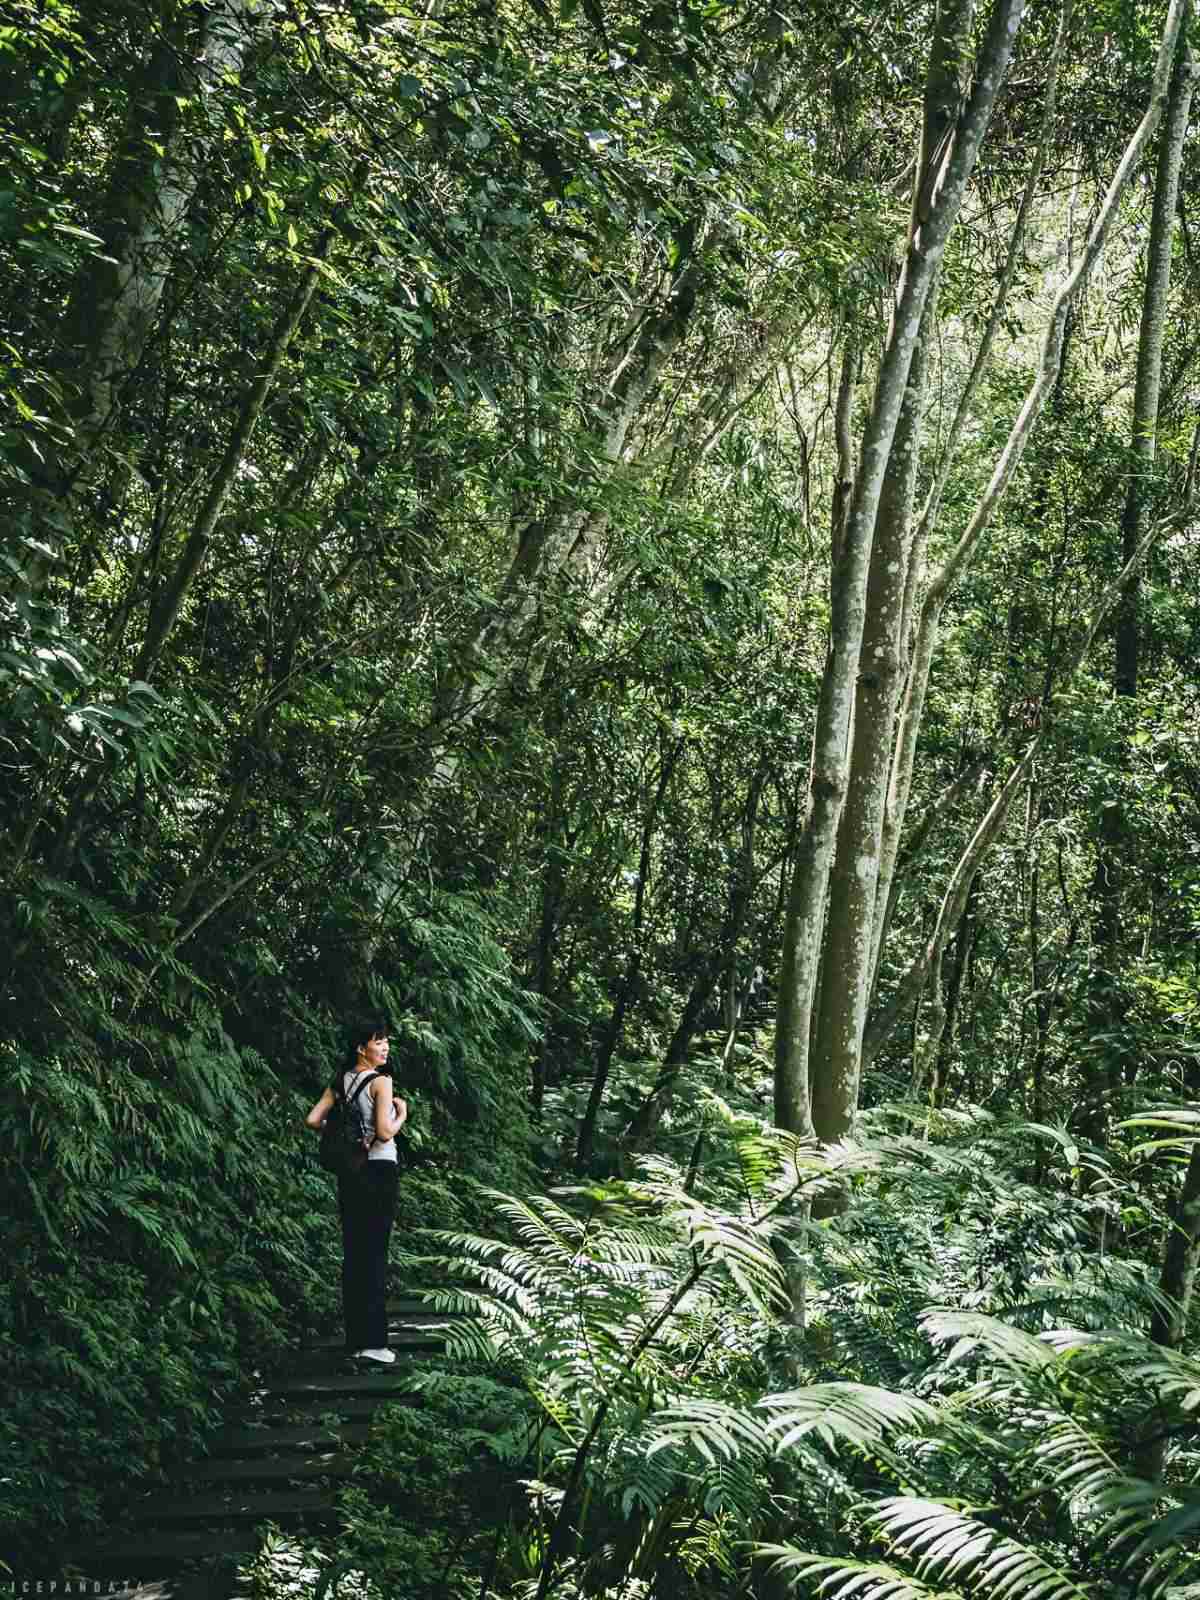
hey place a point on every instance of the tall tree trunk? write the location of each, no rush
(847, 963)
(936, 210)
(940, 587)
(964, 941)
(1037, 975)
(644, 1124)
(900, 776)
(551, 902)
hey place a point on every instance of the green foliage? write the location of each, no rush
(994, 1458)
(287, 1568)
(457, 654)
(434, 1483)
(169, 1227)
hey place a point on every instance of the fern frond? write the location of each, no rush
(838, 1577)
(972, 1331)
(853, 1413)
(470, 1341)
(746, 1255)
(945, 1545)
(715, 1430)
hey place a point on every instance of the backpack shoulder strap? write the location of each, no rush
(346, 1095)
(367, 1079)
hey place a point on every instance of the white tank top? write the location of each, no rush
(382, 1149)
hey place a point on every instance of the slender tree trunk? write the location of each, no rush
(880, 1025)
(805, 920)
(964, 940)
(900, 776)
(644, 1124)
(548, 915)
(1022, 430)
(1014, 448)
(848, 964)
(165, 611)
(1037, 977)
(927, 1043)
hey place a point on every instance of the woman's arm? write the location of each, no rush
(387, 1123)
(320, 1111)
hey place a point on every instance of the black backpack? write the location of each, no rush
(345, 1139)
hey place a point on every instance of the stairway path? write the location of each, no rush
(280, 1457)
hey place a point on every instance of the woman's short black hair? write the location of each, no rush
(360, 1031)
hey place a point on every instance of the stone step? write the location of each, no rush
(316, 1385)
(147, 1555)
(403, 1305)
(417, 1311)
(318, 1363)
(245, 1505)
(314, 1435)
(349, 1408)
(401, 1338)
(267, 1469)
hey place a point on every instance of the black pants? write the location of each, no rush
(367, 1205)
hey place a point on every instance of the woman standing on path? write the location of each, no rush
(367, 1199)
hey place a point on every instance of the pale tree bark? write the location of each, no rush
(900, 775)
(847, 965)
(937, 210)
(847, 968)
(1021, 432)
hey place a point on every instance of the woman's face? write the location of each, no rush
(374, 1053)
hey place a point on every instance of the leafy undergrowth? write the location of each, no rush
(968, 1410)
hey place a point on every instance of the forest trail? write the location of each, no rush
(280, 1457)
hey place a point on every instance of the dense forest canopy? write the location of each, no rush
(657, 545)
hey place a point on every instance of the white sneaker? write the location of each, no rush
(386, 1356)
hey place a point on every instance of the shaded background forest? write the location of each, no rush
(430, 526)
